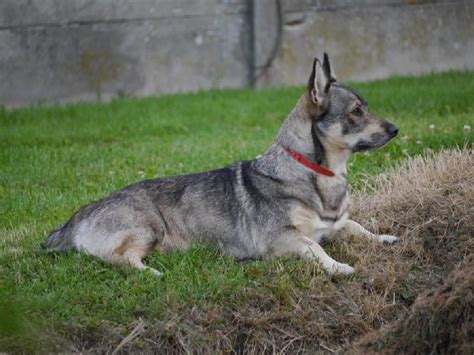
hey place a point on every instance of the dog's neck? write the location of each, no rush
(336, 160)
(299, 134)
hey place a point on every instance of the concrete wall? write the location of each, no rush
(368, 39)
(56, 51)
(70, 50)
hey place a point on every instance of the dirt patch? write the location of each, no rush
(427, 202)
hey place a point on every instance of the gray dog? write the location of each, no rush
(282, 203)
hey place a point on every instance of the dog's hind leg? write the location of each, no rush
(131, 252)
(134, 260)
(354, 228)
(297, 244)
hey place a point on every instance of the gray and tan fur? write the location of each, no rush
(262, 208)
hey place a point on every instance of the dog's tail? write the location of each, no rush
(58, 239)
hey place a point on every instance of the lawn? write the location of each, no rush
(54, 159)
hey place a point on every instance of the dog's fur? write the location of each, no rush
(267, 207)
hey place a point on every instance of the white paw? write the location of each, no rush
(387, 239)
(340, 268)
(154, 271)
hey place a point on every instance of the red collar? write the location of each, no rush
(314, 167)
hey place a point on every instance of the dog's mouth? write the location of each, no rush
(362, 147)
(378, 141)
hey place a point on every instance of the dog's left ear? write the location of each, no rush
(327, 69)
(318, 85)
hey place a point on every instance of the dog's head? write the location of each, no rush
(341, 116)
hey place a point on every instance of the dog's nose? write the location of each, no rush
(393, 130)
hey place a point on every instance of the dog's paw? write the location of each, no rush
(341, 269)
(154, 271)
(388, 239)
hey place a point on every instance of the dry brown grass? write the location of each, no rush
(441, 321)
(429, 204)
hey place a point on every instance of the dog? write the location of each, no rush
(285, 202)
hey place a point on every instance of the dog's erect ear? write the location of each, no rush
(327, 69)
(318, 85)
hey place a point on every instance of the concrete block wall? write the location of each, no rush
(75, 50)
(61, 51)
(366, 39)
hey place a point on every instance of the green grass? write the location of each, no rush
(54, 159)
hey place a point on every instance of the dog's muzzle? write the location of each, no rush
(391, 129)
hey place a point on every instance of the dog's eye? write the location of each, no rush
(357, 111)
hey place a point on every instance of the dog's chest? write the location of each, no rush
(329, 215)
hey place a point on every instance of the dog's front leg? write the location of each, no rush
(295, 243)
(354, 228)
